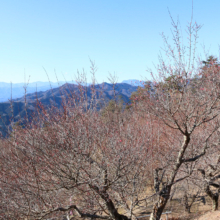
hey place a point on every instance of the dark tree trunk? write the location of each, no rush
(212, 196)
(215, 202)
(160, 205)
(164, 194)
(186, 203)
(114, 213)
(110, 205)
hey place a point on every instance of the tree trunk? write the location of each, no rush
(160, 205)
(114, 213)
(164, 194)
(186, 203)
(110, 205)
(215, 203)
(212, 196)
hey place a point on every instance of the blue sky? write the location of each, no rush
(121, 36)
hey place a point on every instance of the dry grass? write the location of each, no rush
(176, 206)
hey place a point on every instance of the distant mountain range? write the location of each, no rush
(55, 96)
(16, 90)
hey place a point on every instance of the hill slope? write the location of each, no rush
(17, 89)
(55, 96)
(209, 216)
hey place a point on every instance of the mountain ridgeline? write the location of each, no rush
(16, 90)
(23, 107)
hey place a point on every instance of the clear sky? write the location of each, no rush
(121, 36)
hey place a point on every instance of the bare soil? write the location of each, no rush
(209, 216)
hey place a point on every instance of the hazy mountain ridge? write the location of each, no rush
(55, 96)
(16, 90)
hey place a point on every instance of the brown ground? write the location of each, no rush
(209, 216)
(199, 210)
